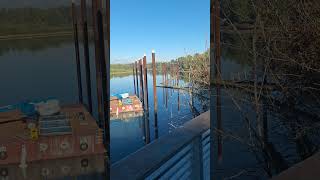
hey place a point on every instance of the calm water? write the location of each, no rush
(129, 135)
(41, 69)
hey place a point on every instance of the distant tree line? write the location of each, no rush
(37, 20)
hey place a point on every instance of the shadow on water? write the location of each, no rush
(259, 140)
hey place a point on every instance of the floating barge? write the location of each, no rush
(71, 133)
(124, 108)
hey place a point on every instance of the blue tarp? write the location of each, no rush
(27, 108)
(119, 96)
(127, 101)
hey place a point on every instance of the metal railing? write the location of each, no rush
(182, 154)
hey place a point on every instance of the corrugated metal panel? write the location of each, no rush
(180, 165)
(206, 154)
(172, 164)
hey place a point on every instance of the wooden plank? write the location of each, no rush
(14, 115)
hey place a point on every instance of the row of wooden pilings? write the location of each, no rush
(140, 79)
(102, 63)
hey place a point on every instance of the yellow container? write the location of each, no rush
(34, 133)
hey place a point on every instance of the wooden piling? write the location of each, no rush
(145, 81)
(146, 99)
(77, 51)
(170, 80)
(141, 83)
(155, 98)
(86, 51)
(163, 82)
(166, 83)
(134, 78)
(177, 83)
(137, 78)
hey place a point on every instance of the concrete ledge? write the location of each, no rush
(151, 157)
(308, 169)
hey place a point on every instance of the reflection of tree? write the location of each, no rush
(282, 49)
(31, 20)
(33, 45)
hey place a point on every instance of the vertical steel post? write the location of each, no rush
(107, 81)
(104, 71)
(218, 79)
(212, 82)
(215, 79)
(76, 47)
(95, 8)
(86, 51)
(155, 98)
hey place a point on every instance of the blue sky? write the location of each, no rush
(173, 28)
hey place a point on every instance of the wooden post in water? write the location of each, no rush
(137, 79)
(177, 82)
(141, 84)
(76, 47)
(166, 83)
(155, 98)
(171, 75)
(163, 82)
(145, 81)
(134, 78)
(86, 51)
(146, 98)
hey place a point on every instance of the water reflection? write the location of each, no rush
(129, 135)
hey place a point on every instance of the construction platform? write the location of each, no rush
(126, 108)
(73, 132)
(65, 168)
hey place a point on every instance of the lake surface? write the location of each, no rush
(46, 68)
